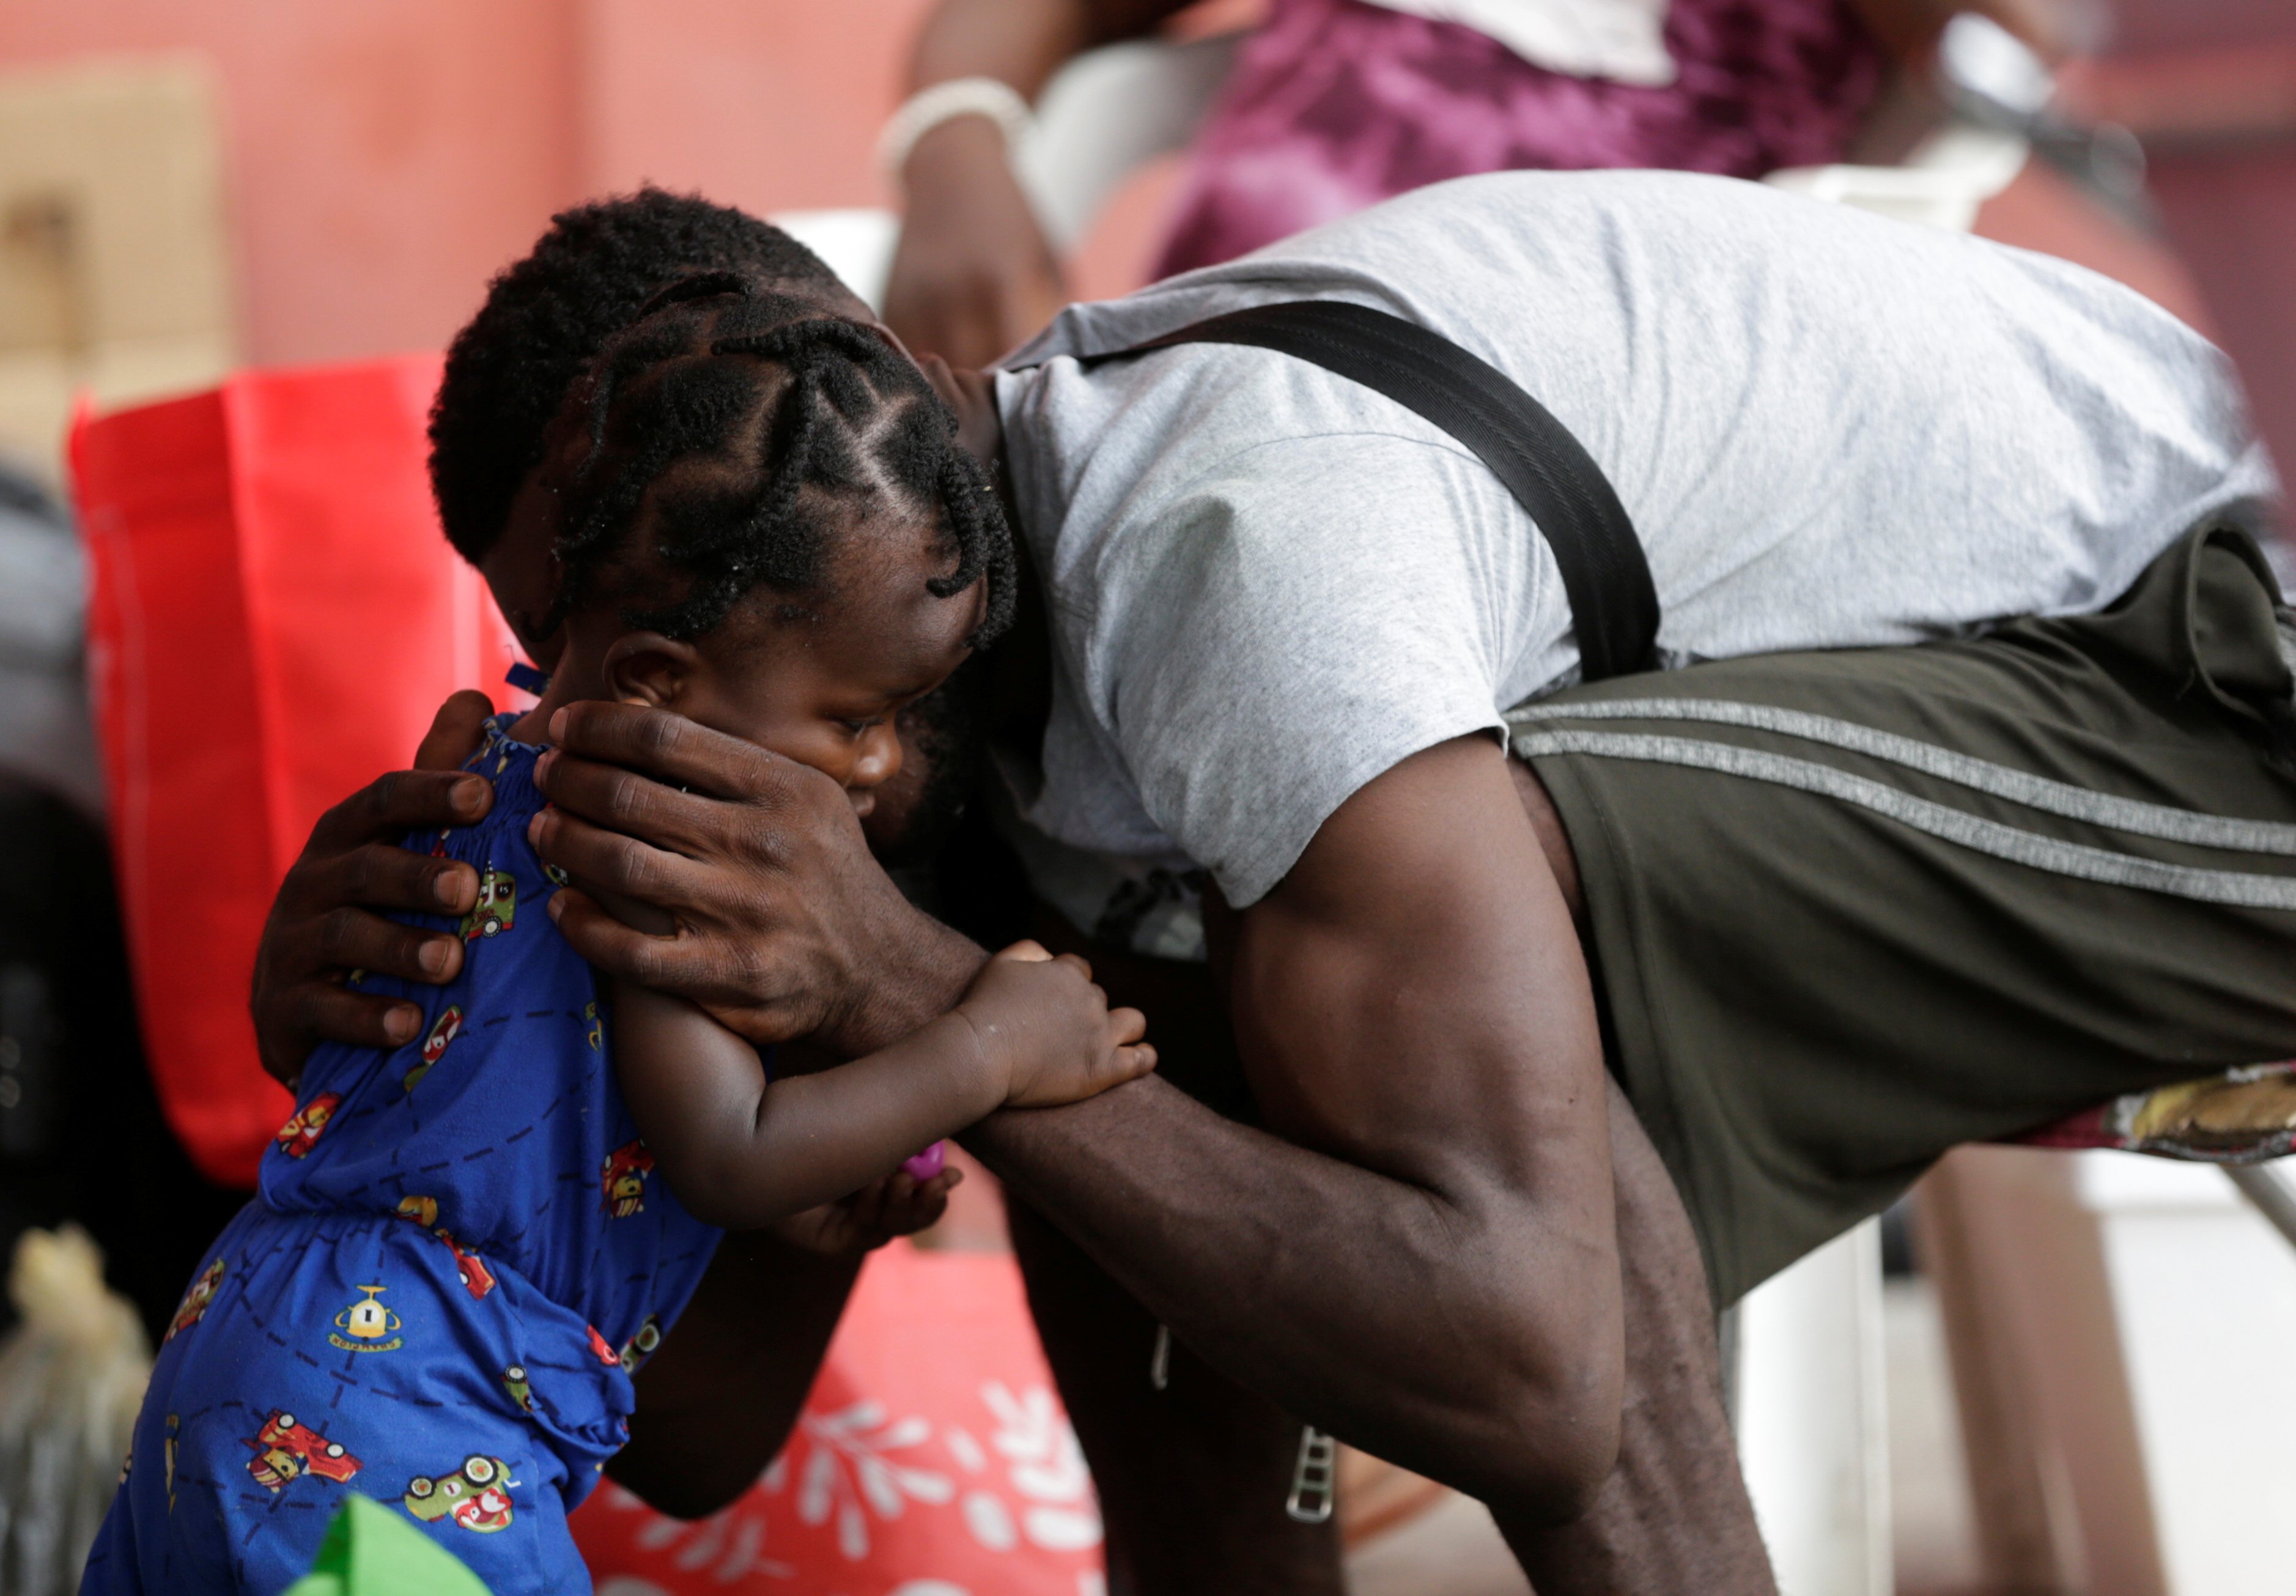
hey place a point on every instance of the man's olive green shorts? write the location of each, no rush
(1850, 909)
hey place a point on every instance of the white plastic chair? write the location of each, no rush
(2119, 1327)
(1942, 184)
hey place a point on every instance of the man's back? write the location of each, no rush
(1831, 430)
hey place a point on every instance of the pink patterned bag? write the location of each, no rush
(932, 1459)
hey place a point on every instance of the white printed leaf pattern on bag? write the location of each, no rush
(1049, 1468)
(854, 1467)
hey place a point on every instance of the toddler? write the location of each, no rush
(463, 1250)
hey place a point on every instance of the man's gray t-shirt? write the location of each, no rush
(1268, 584)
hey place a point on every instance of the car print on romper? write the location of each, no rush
(496, 910)
(194, 1306)
(447, 1026)
(623, 1179)
(476, 1496)
(286, 1449)
(297, 1136)
(470, 1268)
(642, 1343)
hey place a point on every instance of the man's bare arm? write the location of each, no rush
(785, 926)
(1429, 1272)
(1427, 1267)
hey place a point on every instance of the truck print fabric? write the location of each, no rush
(457, 1256)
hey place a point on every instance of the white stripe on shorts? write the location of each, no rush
(2001, 780)
(1991, 837)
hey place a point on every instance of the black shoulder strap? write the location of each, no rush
(1613, 604)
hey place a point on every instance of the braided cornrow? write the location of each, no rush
(739, 416)
(546, 316)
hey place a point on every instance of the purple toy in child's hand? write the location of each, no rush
(928, 1163)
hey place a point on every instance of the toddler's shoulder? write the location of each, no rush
(514, 880)
(508, 764)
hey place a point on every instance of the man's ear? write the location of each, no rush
(648, 670)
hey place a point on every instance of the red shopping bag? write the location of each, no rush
(274, 616)
(932, 1459)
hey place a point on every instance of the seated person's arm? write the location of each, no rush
(973, 273)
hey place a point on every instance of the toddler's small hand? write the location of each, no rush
(898, 1205)
(1042, 1020)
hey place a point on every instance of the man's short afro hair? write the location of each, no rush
(546, 317)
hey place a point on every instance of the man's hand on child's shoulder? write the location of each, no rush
(329, 918)
(898, 1205)
(1044, 1023)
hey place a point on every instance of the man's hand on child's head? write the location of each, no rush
(328, 919)
(898, 1205)
(1049, 1029)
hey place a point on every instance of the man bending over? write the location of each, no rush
(1548, 1055)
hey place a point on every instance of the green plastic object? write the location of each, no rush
(371, 1550)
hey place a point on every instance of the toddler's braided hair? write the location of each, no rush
(547, 315)
(753, 426)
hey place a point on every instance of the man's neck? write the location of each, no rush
(979, 427)
(1020, 693)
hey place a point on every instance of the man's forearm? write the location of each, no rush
(1379, 1311)
(913, 986)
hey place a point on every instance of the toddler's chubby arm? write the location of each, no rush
(1032, 1032)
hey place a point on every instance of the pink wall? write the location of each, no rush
(384, 157)
(767, 104)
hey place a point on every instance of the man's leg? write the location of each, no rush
(1850, 909)
(1192, 1478)
(1673, 1515)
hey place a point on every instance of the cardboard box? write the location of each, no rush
(114, 274)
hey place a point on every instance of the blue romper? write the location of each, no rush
(458, 1255)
